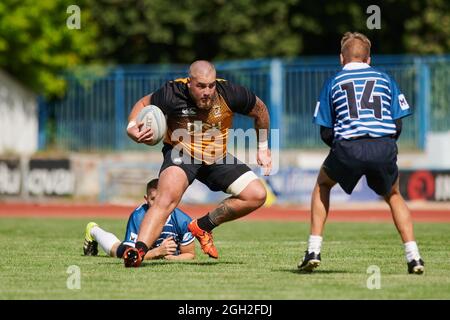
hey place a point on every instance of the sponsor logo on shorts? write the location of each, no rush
(177, 161)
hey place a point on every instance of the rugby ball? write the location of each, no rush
(153, 118)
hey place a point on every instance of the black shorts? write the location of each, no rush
(217, 176)
(376, 158)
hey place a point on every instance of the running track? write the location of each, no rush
(374, 214)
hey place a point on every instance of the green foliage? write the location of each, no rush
(428, 29)
(36, 44)
(154, 31)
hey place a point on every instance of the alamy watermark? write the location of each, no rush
(74, 279)
(197, 146)
(74, 20)
(374, 280)
(374, 20)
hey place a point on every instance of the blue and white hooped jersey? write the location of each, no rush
(176, 226)
(360, 101)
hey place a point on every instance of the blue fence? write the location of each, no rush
(93, 114)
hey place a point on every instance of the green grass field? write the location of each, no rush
(258, 260)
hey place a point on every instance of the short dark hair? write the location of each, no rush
(152, 184)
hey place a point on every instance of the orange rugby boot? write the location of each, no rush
(205, 239)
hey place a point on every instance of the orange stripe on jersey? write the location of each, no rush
(183, 80)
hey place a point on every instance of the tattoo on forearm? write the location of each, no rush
(223, 213)
(262, 120)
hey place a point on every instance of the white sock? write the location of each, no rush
(105, 239)
(314, 244)
(411, 251)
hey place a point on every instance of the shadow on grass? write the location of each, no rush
(296, 271)
(196, 263)
(149, 263)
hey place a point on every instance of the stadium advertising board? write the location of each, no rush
(293, 185)
(10, 177)
(39, 177)
(289, 185)
(431, 185)
(51, 177)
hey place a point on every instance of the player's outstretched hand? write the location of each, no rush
(264, 159)
(140, 135)
(168, 247)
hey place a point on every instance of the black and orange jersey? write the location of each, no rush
(204, 132)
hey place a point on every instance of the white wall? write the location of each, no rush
(18, 117)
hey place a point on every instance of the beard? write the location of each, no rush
(206, 104)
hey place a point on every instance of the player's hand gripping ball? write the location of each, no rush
(153, 118)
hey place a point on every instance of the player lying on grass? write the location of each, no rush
(174, 243)
(360, 111)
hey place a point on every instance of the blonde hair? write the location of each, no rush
(355, 46)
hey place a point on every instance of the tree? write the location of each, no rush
(154, 31)
(428, 29)
(36, 45)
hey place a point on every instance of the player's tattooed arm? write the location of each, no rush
(262, 124)
(224, 212)
(262, 120)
